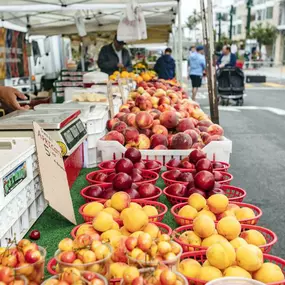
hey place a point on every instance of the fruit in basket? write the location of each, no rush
(150, 210)
(7, 275)
(144, 120)
(193, 134)
(173, 174)
(268, 273)
(207, 242)
(209, 273)
(229, 227)
(215, 191)
(244, 213)
(134, 194)
(193, 190)
(158, 139)
(110, 177)
(187, 165)
(188, 212)
(197, 201)
(111, 123)
(185, 124)
(146, 190)
(93, 208)
(177, 190)
(130, 274)
(99, 177)
(195, 155)
(152, 230)
(159, 129)
(189, 268)
(131, 134)
(238, 242)
(103, 222)
(151, 164)
(215, 130)
(135, 220)
(114, 136)
(174, 162)
(124, 165)
(221, 255)
(190, 237)
(107, 193)
(120, 201)
(122, 181)
(204, 164)
(218, 203)
(218, 165)
(133, 155)
(204, 180)
(249, 257)
(117, 269)
(119, 127)
(186, 177)
(236, 271)
(203, 226)
(139, 165)
(253, 237)
(169, 119)
(94, 191)
(181, 141)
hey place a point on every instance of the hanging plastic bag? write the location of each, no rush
(132, 26)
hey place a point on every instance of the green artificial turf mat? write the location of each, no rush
(53, 227)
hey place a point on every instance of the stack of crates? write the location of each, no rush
(21, 193)
(67, 78)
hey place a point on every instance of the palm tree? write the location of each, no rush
(193, 20)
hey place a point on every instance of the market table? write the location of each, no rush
(53, 227)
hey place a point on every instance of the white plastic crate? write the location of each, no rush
(114, 150)
(92, 139)
(92, 156)
(96, 123)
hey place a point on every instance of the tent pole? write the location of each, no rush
(179, 42)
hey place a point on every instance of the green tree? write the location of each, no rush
(264, 35)
(193, 20)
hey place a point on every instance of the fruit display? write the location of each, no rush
(71, 276)
(8, 277)
(160, 275)
(158, 116)
(23, 258)
(116, 207)
(86, 252)
(215, 207)
(222, 260)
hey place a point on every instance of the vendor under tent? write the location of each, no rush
(54, 18)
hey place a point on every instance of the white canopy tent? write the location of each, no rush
(53, 17)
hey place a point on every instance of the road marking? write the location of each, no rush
(275, 111)
(272, 84)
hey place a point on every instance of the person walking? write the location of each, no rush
(165, 65)
(197, 64)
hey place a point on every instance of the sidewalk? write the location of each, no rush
(273, 74)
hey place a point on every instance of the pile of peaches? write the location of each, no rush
(155, 117)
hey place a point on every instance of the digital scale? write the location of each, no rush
(64, 126)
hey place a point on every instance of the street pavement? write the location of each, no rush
(257, 131)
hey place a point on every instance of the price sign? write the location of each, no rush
(53, 174)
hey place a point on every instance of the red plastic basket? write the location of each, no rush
(51, 264)
(174, 199)
(227, 178)
(270, 237)
(235, 194)
(186, 221)
(157, 169)
(161, 208)
(163, 227)
(179, 168)
(200, 256)
(147, 175)
(105, 186)
(168, 181)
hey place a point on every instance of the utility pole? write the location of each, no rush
(208, 40)
(220, 27)
(231, 22)
(249, 4)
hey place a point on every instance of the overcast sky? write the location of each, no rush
(187, 8)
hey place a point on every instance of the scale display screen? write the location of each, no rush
(73, 134)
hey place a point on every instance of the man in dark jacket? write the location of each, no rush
(227, 59)
(165, 65)
(114, 57)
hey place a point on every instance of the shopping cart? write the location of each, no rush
(230, 85)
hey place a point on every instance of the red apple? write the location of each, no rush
(160, 147)
(110, 177)
(133, 155)
(94, 191)
(217, 185)
(158, 139)
(181, 141)
(139, 165)
(32, 256)
(204, 180)
(147, 190)
(204, 164)
(174, 162)
(109, 164)
(124, 165)
(215, 191)
(193, 190)
(173, 174)
(122, 181)
(131, 134)
(136, 177)
(35, 235)
(218, 176)
(218, 165)
(151, 164)
(107, 193)
(177, 189)
(186, 177)
(99, 176)
(134, 194)
(187, 165)
(195, 155)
